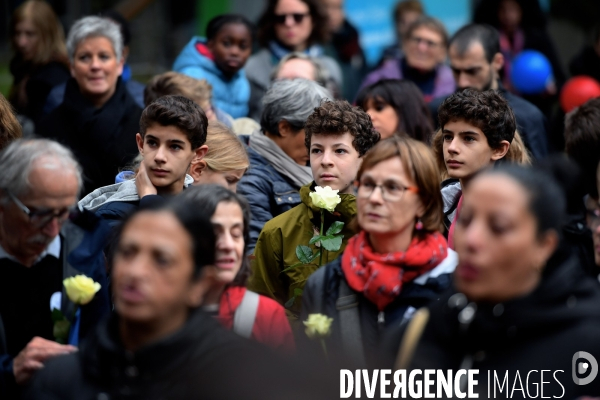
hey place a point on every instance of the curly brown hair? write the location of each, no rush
(266, 23)
(338, 117)
(487, 110)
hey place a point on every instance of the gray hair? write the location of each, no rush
(321, 74)
(18, 159)
(93, 26)
(292, 101)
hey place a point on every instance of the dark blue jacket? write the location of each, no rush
(322, 295)
(82, 243)
(531, 123)
(268, 192)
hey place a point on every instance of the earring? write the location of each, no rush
(419, 225)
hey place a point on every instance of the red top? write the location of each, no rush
(271, 326)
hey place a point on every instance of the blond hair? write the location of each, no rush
(10, 128)
(225, 151)
(197, 90)
(517, 152)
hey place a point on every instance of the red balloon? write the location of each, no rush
(577, 91)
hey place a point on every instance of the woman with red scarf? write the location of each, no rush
(398, 261)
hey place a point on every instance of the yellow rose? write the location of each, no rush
(318, 326)
(81, 289)
(325, 197)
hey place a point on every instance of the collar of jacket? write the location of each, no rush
(344, 211)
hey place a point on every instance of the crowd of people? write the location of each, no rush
(246, 225)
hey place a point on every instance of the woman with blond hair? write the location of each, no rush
(40, 59)
(10, 129)
(226, 161)
(477, 130)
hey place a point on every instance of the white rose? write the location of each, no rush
(325, 197)
(81, 289)
(317, 326)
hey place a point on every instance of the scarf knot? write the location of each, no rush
(380, 277)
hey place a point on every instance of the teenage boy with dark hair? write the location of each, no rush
(337, 136)
(171, 138)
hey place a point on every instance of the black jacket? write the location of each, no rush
(540, 331)
(103, 139)
(201, 360)
(531, 123)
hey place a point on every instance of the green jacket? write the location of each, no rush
(276, 248)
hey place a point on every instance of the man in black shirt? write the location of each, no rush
(39, 248)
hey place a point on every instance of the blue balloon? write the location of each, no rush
(531, 72)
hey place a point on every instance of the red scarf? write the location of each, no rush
(380, 276)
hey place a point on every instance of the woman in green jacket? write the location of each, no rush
(337, 136)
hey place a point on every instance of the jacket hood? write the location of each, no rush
(564, 296)
(346, 210)
(190, 57)
(124, 191)
(451, 192)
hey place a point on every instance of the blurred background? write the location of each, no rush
(161, 28)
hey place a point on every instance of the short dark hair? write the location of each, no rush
(485, 34)
(338, 117)
(180, 112)
(266, 23)
(487, 110)
(205, 199)
(218, 22)
(582, 140)
(405, 6)
(407, 100)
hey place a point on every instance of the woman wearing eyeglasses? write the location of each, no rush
(398, 261)
(287, 26)
(422, 62)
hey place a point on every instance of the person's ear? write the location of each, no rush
(196, 170)
(497, 62)
(201, 285)
(140, 142)
(200, 152)
(125, 53)
(547, 245)
(500, 151)
(285, 129)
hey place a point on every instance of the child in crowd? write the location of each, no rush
(226, 161)
(337, 135)
(172, 136)
(477, 129)
(198, 90)
(219, 59)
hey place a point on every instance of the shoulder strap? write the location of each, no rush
(411, 338)
(244, 316)
(347, 306)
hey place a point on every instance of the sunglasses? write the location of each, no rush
(298, 17)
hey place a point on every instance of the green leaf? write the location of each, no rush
(335, 228)
(314, 257)
(333, 243)
(298, 292)
(304, 254)
(315, 239)
(57, 315)
(61, 330)
(291, 267)
(290, 302)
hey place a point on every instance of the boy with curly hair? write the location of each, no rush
(337, 137)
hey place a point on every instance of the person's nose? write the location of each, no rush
(161, 155)
(376, 196)
(372, 114)
(52, 228)
(422, 46)
(453, 146)
(327, 159)
(289, 21)
(21, 41)
(225, 241)
(463, 81)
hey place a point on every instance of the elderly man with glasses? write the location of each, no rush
(44, 238)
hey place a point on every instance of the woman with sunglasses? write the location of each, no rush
(398, 261)
(287, 26)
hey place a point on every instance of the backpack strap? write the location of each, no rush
(347, 306)
(245, 314)
(411, 338)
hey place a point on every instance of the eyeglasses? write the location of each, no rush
(298, 17)
(593, 218)
(429, 43)
(41, 218)
(390, 191)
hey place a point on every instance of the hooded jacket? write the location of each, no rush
(200, 360)
(276, 248)
(542, 330)
(229, 94)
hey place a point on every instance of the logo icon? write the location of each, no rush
(580, 367)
